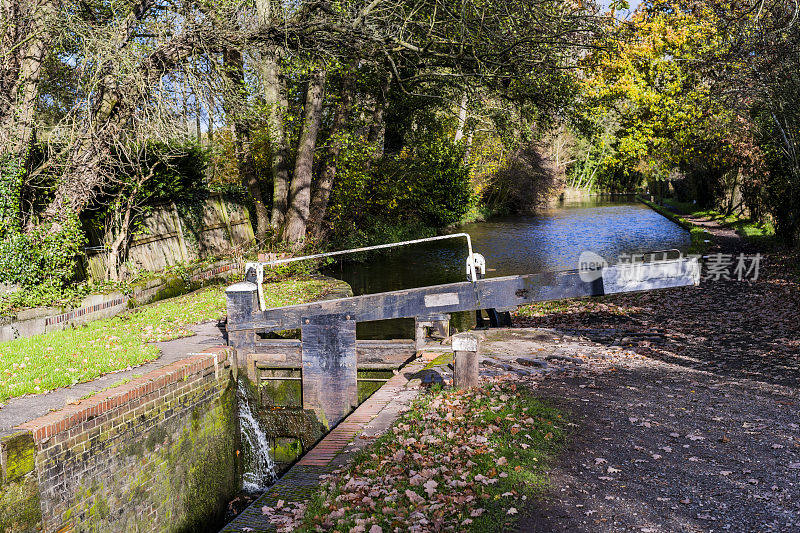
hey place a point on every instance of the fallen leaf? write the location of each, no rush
(414, 497)
(430, 487)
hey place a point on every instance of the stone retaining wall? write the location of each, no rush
(156, 454)
(170, 235)
(32, 322)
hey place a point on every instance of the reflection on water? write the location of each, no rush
(513, 245)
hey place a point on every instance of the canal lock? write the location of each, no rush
(275, 428)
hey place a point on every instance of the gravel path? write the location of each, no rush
(658, 447)
(686, 417)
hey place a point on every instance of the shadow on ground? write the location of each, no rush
(660, 448)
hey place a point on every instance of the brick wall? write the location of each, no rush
(156, 454)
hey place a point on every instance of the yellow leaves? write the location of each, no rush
(648, 83)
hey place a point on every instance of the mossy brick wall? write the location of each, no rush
(156, 454)
(291, 429)
(19, 492)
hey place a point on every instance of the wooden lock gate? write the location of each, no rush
(327, 352)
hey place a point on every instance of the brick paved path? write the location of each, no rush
(367, 422)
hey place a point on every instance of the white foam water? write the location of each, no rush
(259, 469)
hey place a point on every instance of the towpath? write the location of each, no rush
(691, 421)
(19, 410)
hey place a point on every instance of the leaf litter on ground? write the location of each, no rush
(450, 463)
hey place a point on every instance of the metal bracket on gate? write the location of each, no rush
(476, 265)
(258, 274)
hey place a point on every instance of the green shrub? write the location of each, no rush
(440, 192)
(11, 177)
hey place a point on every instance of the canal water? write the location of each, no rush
(512, 245)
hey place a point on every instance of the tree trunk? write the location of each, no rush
(84, 172)
(462, 118)
(234, 67)
(276, 100)
(197, 125)
(468, 149)
(377, 130)
(119, 244)
(322, 191)
(21, 66)
(300, 193)
(275, 97)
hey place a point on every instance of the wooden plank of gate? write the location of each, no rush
(500, 293)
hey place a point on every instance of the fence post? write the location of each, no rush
(439, 324)
(330, 375)
(465, 349)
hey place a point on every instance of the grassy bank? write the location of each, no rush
(754, 231)
(48, 295)
(457, 461)
(62, 358)
(701, 239)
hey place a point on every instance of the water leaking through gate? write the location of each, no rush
(259, 468)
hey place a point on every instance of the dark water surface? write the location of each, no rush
(513, 245)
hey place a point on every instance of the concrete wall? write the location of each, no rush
(156, 454)
(571, 194)
(171, 235)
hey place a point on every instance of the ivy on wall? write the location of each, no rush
(46, 255)
(12, 175)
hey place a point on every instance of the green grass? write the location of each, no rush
(597, 304)
(472, 460)
(441, 360)
(544, 308)
(752, 230)
(62, 358)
